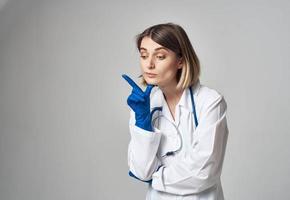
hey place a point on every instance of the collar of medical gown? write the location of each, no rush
(158, 100)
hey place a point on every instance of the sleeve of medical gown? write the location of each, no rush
(142, 149)
(200, 167)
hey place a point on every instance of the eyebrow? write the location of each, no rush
(142, 48)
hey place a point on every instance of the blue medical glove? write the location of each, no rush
(139, 101)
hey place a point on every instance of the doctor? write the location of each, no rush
(178, 126)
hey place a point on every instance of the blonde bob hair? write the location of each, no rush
(173, 37)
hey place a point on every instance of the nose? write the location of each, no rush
(151, 63)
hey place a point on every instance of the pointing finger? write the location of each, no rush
(132, 83)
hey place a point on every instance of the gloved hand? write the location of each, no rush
(139, 101)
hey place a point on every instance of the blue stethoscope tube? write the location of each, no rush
(169, 153)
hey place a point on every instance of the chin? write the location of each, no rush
(152, 82)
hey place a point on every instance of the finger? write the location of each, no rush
(148, 89)
(132, 83)
(135, 98)
(138, 97)
(142, 94)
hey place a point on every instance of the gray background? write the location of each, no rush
(63, 112)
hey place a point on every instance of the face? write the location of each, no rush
(159, 65)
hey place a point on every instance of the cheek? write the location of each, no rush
(168, 70)
(143, 66)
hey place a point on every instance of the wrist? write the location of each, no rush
(145, 123)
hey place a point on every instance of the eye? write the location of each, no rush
(161, 57)
(143, 57)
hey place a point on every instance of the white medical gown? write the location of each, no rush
(193, 172)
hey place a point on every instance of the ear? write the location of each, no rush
(180, 63)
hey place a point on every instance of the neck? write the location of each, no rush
(170, 92)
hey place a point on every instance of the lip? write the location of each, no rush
(150, 75)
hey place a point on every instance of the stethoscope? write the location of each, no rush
(169, 153)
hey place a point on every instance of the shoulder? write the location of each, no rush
(207, 93)
(208, 97)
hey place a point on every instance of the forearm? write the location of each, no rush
(142, 151)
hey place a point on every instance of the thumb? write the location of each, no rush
(148, 89)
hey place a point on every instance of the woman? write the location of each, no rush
(178, 127)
